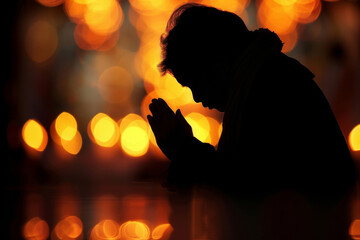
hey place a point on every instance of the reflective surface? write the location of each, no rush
(146, 210)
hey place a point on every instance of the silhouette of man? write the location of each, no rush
(279, 132)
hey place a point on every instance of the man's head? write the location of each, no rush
(199, 48)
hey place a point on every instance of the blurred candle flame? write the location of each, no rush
(134, 135)
(135, 230)
(161, 231)
(354, 230)
(70, 227)
(103, 130)
(36, 229)
(34, 135)
(354, 138)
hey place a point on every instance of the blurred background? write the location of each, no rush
(78, 78)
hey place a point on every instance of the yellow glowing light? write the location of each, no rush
(106, 229)
(160, 231)
(116, 84)
(36, 228)
(135, 141)
(72, 146)
(135, 230)
(228, 5)
(354, 138)
(70, 227)
(104, 130)
(354, 230)
(200, 126)
(104, 17)
(214, 131)
(34, 135)
(41, 41)
(66, 126)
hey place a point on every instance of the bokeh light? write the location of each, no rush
(70, 227)
(103, 130)
(72, 146)
(98, 23)
(66, 126)
(200, 126)
(354, 230)
(162, 231)
(135, 230)
(106, 229)
(134, 138)
(34, 135)
(115, 85)
(36, 229)
(354, 138)
(41, 41)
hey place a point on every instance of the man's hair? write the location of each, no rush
(196, 34)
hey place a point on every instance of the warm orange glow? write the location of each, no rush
(236, 6)
(41, 41)
(154, 7)
(135, 230)
(354, 138)
(72, 146)
(34, 135)
(106, 229)
(70, 227)
(98, 23)
(51, 3)
(272, 15)
(354, 229)
(103, 17)
(162, 231)
(134, 135)
(200, 126)
(104, 130)
(36, 229)
(66, 126)
(214, 131)
(86, 39)
(289, 41)
(75, 10)
(116, 85)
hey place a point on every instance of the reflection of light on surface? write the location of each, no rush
(135, 230)
(354, 138)
(115, 84)
(34, 135)
(106, 229)
(36, 229)
(200, 126)
(50, 3)
(72, 146)
(162, 231)
(66, 126)
(104, 130)
(41, 41)
(354, 229)
(70, 227)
